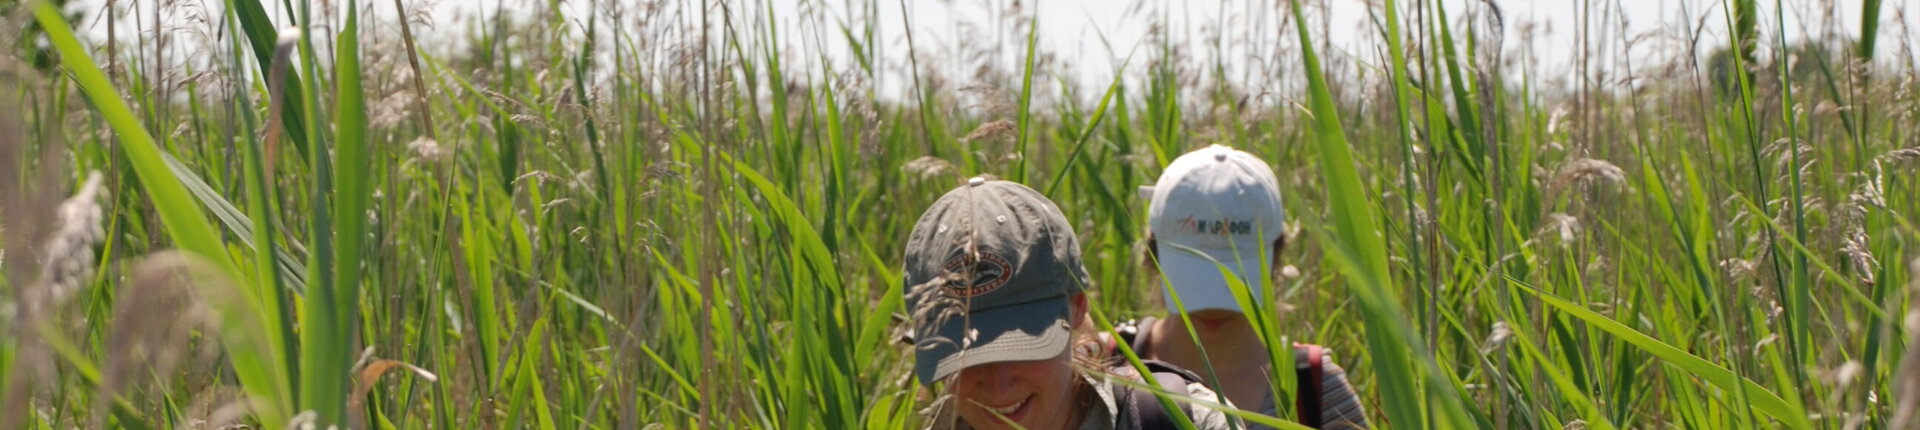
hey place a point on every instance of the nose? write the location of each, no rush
(987, 378)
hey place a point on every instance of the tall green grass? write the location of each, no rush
(608, 216)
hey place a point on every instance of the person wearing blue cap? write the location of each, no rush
(1215, 214)
(996, 289)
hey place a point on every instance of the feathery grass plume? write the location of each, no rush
(1801, 150)
(1497, 338)
(391, 110)
(1868, 196)
(667, 171)
(306, 420)
(1739, 269)
(1289, 272)
(1585, 170)
(936, 307)
(1561, 226)
(425, 150)
(21, 222)
(1854, 245)
(1906, 380)
(1902, 155)
(157, 320)
(927, 167)
(1844, 375)
(990, 100)
(69, 259)
(992, 131)
(940, 413)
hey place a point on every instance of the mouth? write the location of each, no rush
(1014, 411)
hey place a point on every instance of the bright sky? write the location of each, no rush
(1073, 30)
(958, 36)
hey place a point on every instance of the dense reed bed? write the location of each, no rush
(617, 214)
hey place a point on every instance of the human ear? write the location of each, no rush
(1077, 309)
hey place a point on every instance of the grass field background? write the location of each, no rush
(688, 215)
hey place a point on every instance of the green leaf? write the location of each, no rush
(1764, 401)
(258, 367)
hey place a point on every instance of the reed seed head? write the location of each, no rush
(1585, 170)
(927, 167)
(1564, 227)
(1906, 380)
(428, 151)
(69, 258)
(1497, 338)
(992, 131)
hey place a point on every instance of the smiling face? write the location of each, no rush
(1036, 395)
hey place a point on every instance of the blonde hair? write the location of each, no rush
(1088, 355)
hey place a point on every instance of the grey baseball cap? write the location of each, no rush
(990, 267)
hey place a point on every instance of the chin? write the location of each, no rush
(1025, 416)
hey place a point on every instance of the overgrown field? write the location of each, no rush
(614, 214)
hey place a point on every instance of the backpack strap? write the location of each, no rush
(1143, 407)
(1134, 333)
(1309, 367)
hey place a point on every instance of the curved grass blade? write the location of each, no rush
(1080, 143)
(327, 351)
(259, 368)
(264, 37)
(1026, 99)
(292, 271)
(1764, 401)
(1356, 246)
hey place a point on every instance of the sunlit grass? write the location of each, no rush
(609, 216)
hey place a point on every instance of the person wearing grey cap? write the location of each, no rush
(996, 290)
(1215, 214)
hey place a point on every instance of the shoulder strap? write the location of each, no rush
(1134, 333)
(1309, 366)
(1144, 409)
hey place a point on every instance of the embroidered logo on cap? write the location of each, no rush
(989, 272)
(1221, 227)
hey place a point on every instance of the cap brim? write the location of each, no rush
(1024, 332)
(1201, 282)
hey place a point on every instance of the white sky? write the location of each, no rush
(1073, 29)
(959, 36)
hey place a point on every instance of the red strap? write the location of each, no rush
(1308, 373)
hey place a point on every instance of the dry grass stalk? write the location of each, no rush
(69, 259)
(1906, 379)
(1585, 170)
(1497, 338)
(1739, 269)
(428, 151)
(277, 95)
(1564, 227)
(1870, 195)
(155, 321)
(927, 167)
(368, 371)
(1857, 251)
(1902, 155)
(996, 130)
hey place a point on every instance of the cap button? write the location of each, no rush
(1220, 156)
(976, 181)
